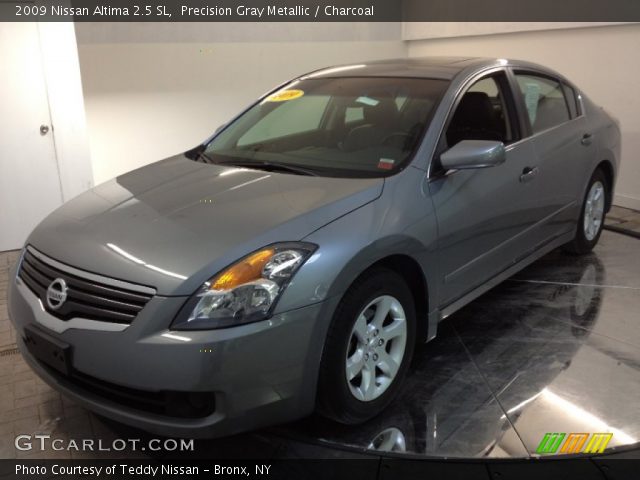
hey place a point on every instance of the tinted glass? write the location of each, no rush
(544, 100)
(333, 126)
(304, 115)
(482, 114)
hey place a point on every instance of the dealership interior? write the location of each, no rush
(554, 348)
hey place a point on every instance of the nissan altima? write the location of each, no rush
(292, 261)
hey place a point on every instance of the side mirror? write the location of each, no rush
(220, 128)
(473, 154)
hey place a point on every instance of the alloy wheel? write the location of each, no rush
(376, 348)
(594, 211)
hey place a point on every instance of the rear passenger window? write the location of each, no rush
(544, 100)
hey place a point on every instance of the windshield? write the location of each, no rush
(343, 127)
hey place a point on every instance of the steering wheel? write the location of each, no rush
(396, 139)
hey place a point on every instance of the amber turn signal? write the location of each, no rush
(246, 270)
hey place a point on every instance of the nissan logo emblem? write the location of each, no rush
(56, 294)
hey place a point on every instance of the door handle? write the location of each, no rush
(528, 174)
(586, 139)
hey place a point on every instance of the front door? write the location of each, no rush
(483, 214)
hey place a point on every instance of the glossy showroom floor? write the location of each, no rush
(554, 349)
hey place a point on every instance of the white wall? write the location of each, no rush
(154, 90)
(603, 61)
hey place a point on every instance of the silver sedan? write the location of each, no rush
(292, 261)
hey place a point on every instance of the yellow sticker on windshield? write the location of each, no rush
(285, 95)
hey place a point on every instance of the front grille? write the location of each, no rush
(87, 297)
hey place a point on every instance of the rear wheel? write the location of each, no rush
(368, 349)
(591, 216)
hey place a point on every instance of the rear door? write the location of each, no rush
(563, 146)
(483, 214)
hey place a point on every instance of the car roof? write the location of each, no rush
(445, 68)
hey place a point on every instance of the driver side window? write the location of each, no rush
(483, 113)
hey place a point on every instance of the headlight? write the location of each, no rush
(246, 291)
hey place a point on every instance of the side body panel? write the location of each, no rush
(549, 208)
(606, 139)
(484, 216)
(562, 164)
(564, 153)
(400, 222)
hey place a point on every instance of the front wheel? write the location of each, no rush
(368, 349)
(591, 216)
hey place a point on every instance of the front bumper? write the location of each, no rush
(260, 374)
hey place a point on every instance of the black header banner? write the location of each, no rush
(320, 10)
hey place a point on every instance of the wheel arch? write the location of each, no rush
(607, 168)
(405, 265)
(409, 269)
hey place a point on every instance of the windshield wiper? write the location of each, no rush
(270, 166)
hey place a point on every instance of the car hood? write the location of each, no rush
(174, 224)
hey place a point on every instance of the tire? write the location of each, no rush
(356, 340)
(587, 238)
